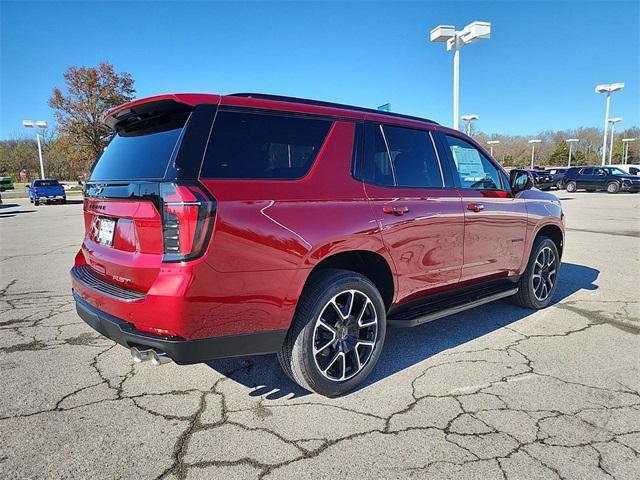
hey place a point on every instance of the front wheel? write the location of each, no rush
(613, 187)
(337, 333)
(571, 187)
(539, 281)
(36, 202)
(559, 185)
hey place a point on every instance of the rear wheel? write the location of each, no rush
(337, 333)
(539, 281)
(613, 187)
(36, 202)
(571, 186)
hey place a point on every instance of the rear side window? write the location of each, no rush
(263, 146)
(413, 157)
(586, 171)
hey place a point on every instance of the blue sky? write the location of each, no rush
(537, 72)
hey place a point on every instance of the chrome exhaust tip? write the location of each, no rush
(140, 356)
(159, 358)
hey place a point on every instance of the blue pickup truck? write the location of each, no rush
(46, 190)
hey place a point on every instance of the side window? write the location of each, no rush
(586, 171)
(413, 158)
(476, 172)
(261, 146)
(377, 169)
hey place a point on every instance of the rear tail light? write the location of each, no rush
(188, 213)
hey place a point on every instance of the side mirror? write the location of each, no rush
(27, 187)
(520, 180)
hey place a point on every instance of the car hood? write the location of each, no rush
(628, 177)
(535, 194)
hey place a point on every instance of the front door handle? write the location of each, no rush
(475, 207)
(395, 210)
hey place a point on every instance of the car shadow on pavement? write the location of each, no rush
(11, 213)
(405, 347)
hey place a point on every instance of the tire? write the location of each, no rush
(613, 187)
(532, 294)
(63, 201)
(36, 202)
(559, 185)
(314, 325)
(571, 186)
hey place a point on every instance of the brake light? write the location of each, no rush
(188, 213)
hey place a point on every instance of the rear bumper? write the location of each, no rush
(178, 349)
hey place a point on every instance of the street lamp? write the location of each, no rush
(570, 141)
(456, 39)
(36, 126)
(533, 149)
(608, 89)
(492, 143)
(625, 142)
(613, 122)
(469, 119)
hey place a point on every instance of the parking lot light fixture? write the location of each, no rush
(533, 149)
(607, 88)
(491, 143)
(625, 142)
(613, 122)
(36, 125)
(455, 40)
(571, 141)
(469, 118)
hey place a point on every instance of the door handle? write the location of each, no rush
(395, 210)
(475, 207)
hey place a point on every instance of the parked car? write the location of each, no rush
(542, 179)
(592, 178)
(245, 224)
(46, 190)
(6, 183)
(630, 169)
(557, 177)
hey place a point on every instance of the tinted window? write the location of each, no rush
(251, 145)
(142, 150)
(378, 169)
(413, 157)
(474, 169)
(45, 183)
(586, 171)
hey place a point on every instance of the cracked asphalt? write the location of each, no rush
(496, 392)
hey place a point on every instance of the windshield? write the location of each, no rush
(46, 183)
(617, 171)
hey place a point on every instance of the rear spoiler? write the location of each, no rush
(138, 109)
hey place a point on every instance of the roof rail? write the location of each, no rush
(320, 103)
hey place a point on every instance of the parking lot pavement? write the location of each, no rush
(496, 392)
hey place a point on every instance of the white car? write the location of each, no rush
(630, 169)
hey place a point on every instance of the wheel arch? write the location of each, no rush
(554, 232)
(371, 264)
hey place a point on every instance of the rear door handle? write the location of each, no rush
(395, 210)
(475, 207)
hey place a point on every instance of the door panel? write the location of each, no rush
(494, 235)
(425, 241)
(495, 221)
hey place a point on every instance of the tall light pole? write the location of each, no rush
(469, 118)
(570, 141)
(492, 143)
(36, 126)
(608, 89)
(625, 142)
(613, 122)
(533, 149)
(456, 39)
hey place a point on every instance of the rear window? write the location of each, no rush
(142, 150)
(45, 183)
(263, 146)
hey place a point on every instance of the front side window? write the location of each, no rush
(586, 171)
(247, 145)
(476, 172)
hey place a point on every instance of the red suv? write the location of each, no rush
(245, 224)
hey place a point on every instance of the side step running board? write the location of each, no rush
(430, 312)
